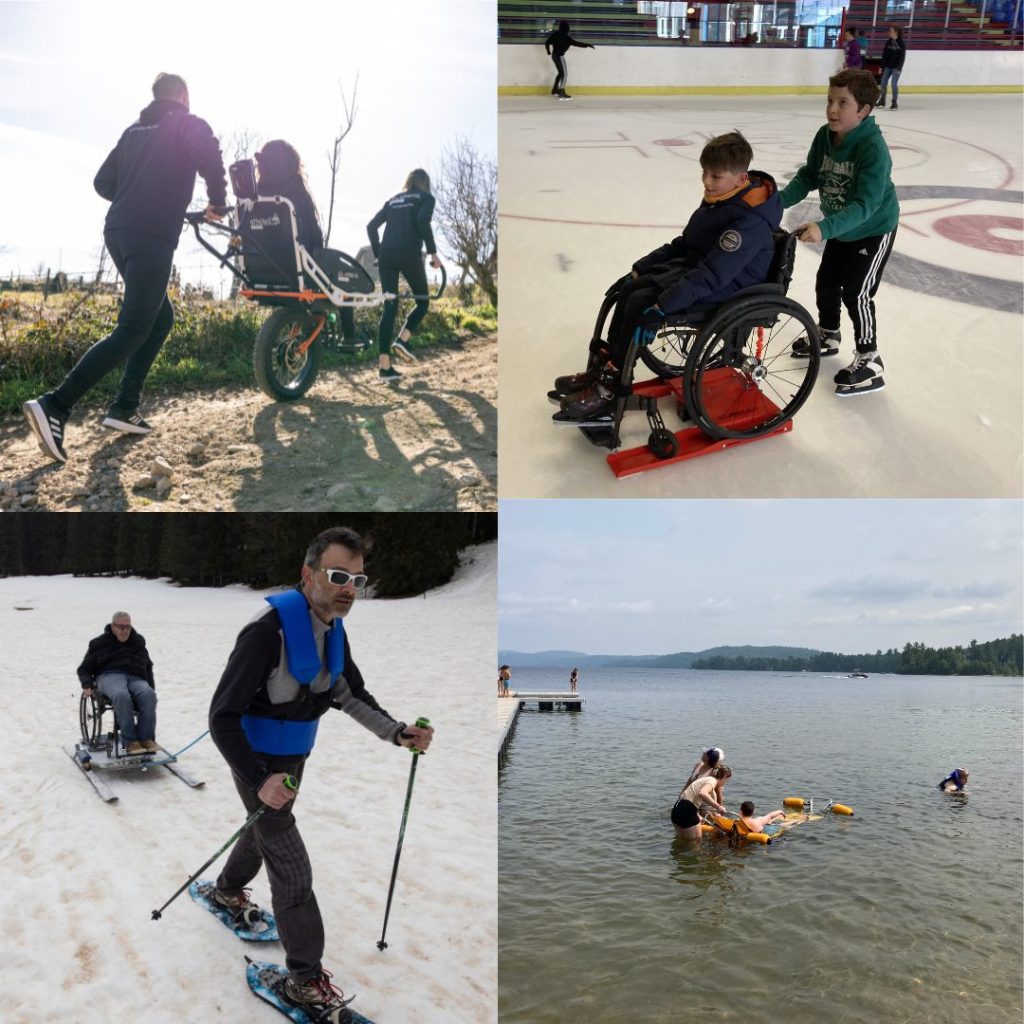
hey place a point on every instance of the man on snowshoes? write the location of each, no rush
(289, 666)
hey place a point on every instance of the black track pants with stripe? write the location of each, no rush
(849, 276)
(561, 74)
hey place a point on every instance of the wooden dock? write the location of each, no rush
(509, 708)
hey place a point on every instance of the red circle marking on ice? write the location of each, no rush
(672, 142)
(977, 232)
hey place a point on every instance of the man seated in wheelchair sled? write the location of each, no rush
(727, 245)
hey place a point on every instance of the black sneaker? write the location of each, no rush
(829, 344)
(48, 426)
(862, 376)
(894, 107)
(317, 998)
(390, 375)
(128, 421)
(401, 349)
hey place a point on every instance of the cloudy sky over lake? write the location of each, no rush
(655, 577)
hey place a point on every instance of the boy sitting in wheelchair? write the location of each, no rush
(726, 246)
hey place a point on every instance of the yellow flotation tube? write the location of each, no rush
(734, 829)
(797, 803)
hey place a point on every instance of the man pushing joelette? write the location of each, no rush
(290, 665)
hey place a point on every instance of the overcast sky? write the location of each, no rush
(654, 577)
(73, 76)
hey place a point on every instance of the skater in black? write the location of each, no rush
(148, 178)
(291, 664)
(556, 46)
(893, 56)
(280, 173)
(406, 222)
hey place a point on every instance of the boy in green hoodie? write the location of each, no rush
(850, 166)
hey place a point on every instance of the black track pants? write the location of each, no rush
(410, 266)
(849, 275)
(274, 841)
(633, 298)
(146, 318)
(561, 74)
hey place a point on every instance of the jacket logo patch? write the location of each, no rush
(730, 241)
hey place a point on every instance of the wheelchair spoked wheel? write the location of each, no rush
(285, 370)
(741, 377)
(666, 355)
(89, 719)
(662, 443)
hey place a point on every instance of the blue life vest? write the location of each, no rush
(954, 777)
(281, 736)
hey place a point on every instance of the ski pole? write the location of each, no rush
(421, 723)
(289, 783)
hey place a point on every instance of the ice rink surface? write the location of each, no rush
(589, 186)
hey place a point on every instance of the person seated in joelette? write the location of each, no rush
(118, 665)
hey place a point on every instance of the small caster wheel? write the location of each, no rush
(663, 443)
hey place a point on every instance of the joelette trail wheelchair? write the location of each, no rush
(275, 270)
(730, 368)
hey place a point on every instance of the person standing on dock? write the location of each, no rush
(573, 679)
(504, 675)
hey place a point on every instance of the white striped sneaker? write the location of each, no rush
(400, 348)
(129, 421)
(48, 426)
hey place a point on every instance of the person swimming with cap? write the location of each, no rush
(955, 781)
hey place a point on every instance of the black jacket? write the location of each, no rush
(894, 54)
(107, 654)
(150, 174)
(726, 245)
(406, 220)
(559, 41)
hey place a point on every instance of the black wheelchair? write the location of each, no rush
(100, 738)
(729, 366)
(275, 270)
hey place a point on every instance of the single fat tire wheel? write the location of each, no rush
(282, 370)
(741, 377)
(662, 443)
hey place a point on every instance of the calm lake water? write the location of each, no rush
(909, 912)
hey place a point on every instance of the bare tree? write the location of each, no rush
(242, 144)
(466, 191)
(334, 155)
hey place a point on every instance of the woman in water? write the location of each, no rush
(704, 792)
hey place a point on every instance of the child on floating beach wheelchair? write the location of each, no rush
(726, 353)
(276, 270)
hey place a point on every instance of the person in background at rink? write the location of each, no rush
(893, 56)
(556, 46)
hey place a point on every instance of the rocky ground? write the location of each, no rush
(352, 443)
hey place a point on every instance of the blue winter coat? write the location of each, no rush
(726, 246)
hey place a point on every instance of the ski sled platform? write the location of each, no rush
(265, 979)
(742, 409)
(96, 763)
(798, 812)
(264, 931)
